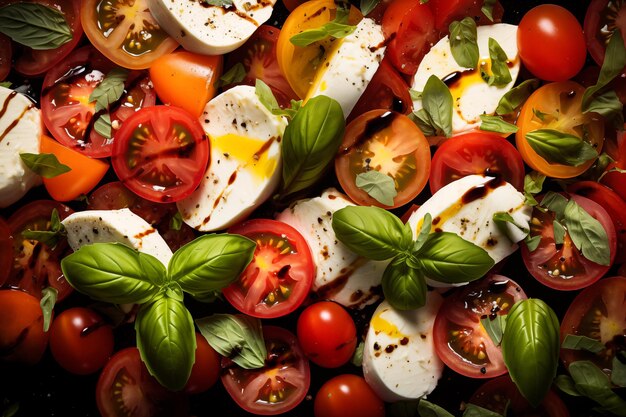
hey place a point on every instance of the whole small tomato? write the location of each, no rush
(206, 369)
(348, 396)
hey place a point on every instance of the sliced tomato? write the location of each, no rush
(70, 116)
(278, 386)
(280, 275)
(6, 251)
(6, 54)
(160, 153)
(602, 18)
(461, 341)
(447, 11)
(476, 152)
(387, 142)
(614, 178)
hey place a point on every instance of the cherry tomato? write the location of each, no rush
(615, 179)
(80, 340)
(278, 386)
(6, 251)
(461, 341)
(327, 334)
(279, 277)
(6, 54)
(126, 388)
(447, 11)
(387, 142)
(161, 153)
(563, 51)
(476, 153)
(347, 396)
(206, 369)
(602, 18)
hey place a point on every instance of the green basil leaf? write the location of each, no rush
(502, 219)
(52, 235)
(559, 232)
(599, 168)
(47, 302)
(438, 103)
(463, 43)
(560, 148)
(472, 410)
(415, 95)
(500, 74)
(612, 66)
(427, 224)
(310, 143)
(618, 373)
(543, 116)
(114, 273)
(266, 96)
(371, 232)
(576, 342)
(210, 263)
(176, 222)
(428, 409)
(594, 384)
(487, 9)
(357, 357)
(367, 6)
(337, 28)
(6, 84)
(234, 75)
(587, 234)
(496, 124)
(515, 97)
(35, 25)
(556, 203)
(110, 89)
(11, 409)
(532, 242)
(609, 106)
(566, 384)
(530, 348)
(403, 409)
(237, 337)
(533, 184)
(494, 327)
(166, 340)
(404, 287)
(45, 164)
(218, 3)
(423, 120)
(377, 185)
(103, 126)
(447, 257)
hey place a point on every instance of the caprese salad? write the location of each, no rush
(312, 208)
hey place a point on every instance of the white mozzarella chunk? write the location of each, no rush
(471, 95)
(20, 132)
(210, 30)
(399, 359)
(115, 226)
(345, 72)
(245, 165)
(341, 275)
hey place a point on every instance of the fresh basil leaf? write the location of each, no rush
(35, 25)
(437, 102)
(52, 235)
(599, 168)
(559, 232)
(532, 242)
(515, 97)
(618, 373)
(447, 257)
(609, 106)
(487, 9)
(576, 342)
(176, 222)
(403, 409)
(463, 43)
(543, 116)
(110, 89)
(594, 384)
(566, 384)
(266, 97)
(502, 219)
(500, 74)
(494, 327)
(423, 120)
(47, 302)
(377, 185)
(556, 203)
(218, 3)
(45, 164)
(237, 337)
(367, 6)
(210, 263)
(587, 234)
(234, 75)
(404, 287)
(415, 95)
(310, 143)
(6, 84)
(533, 184)
(472, 410)
(560, 148)
(357, 357)
(103, 126)
(496, 124)
(337, 28)
(426, 226)
(530, 348)
(428, 409)
(11, 409)
(114, 273)
(612, 66)
(371, 232)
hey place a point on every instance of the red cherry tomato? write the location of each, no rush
(206, 369)
(602, 15)
(348, 396)
(6, 251)
(447, 11)
(327, 334)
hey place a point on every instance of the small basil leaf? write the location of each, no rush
(423, 120)
(357, 357)
(609, 106)
(428, 409)
(103, 126)
(166, 340)
(377, 185)
(566, 384)
(45, 164)
(487, 9)
(515, 97)
(530, 348)
(110, 89)
(234, 75)
(415, 95)
(556, 203)
(10, 409)
(533, 184)
(35, 25)
(176, 222)
(494, 327)
(403, 409)
(266, 96)
(237, 337)
(113, 272)
(599, 168)
(447, 257)
(613, 64)
(6, 84)
(576, 342)
(591, 382)
(532, 242)
(218, 3)
(337, 28)
(371, 232)
(367, 6)
(438, 103)
(502, 219)
(618, 373)
(210, 263)
(51, 236)
(472, 410)
(426, 226)
(500, 74)
(560, 148)
(496, 124)
(463, 44)
(559, 232)
(47, 302)
(404, 287)
(587, 234)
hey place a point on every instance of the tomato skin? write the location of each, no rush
(327, 334)
(6, 251)
(563, 51)
(603, 14)
(347, 396)
(6, 53)
(206, 369)
(447, 11)
(613, 179)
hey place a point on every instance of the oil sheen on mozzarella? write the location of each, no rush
(341, 275)
(471, 95)
(115, 226)
(20, 130)
(399, 359)
(210, 30)
(245, 165)
(346, 71)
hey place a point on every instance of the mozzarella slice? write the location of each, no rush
(341, 275)
(111, 226)
(245, 163)
(471, 95)
(399, 359)
(346, 71)
(20, 130)
(210, 30)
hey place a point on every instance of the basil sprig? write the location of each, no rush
(51, 236)
(234, 75)
(560, 148)
(337, 28)
(45, 164)
(435, 118)
(115, 273)
(377, 185)
(35, 25)
(533, 184)
(500, 74)
(516, 96)
(463, 42)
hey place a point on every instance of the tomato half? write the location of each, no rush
(563, 267)
(6, 251)
(206, 368)
(557, 106)
(278, 386)
(279, 277)
(6, 54)
(447, 11)
(347, 396)
(461, 341)
(476, 152)
(602, 18)
(615, 179)
(160, 153)
(387, 142)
